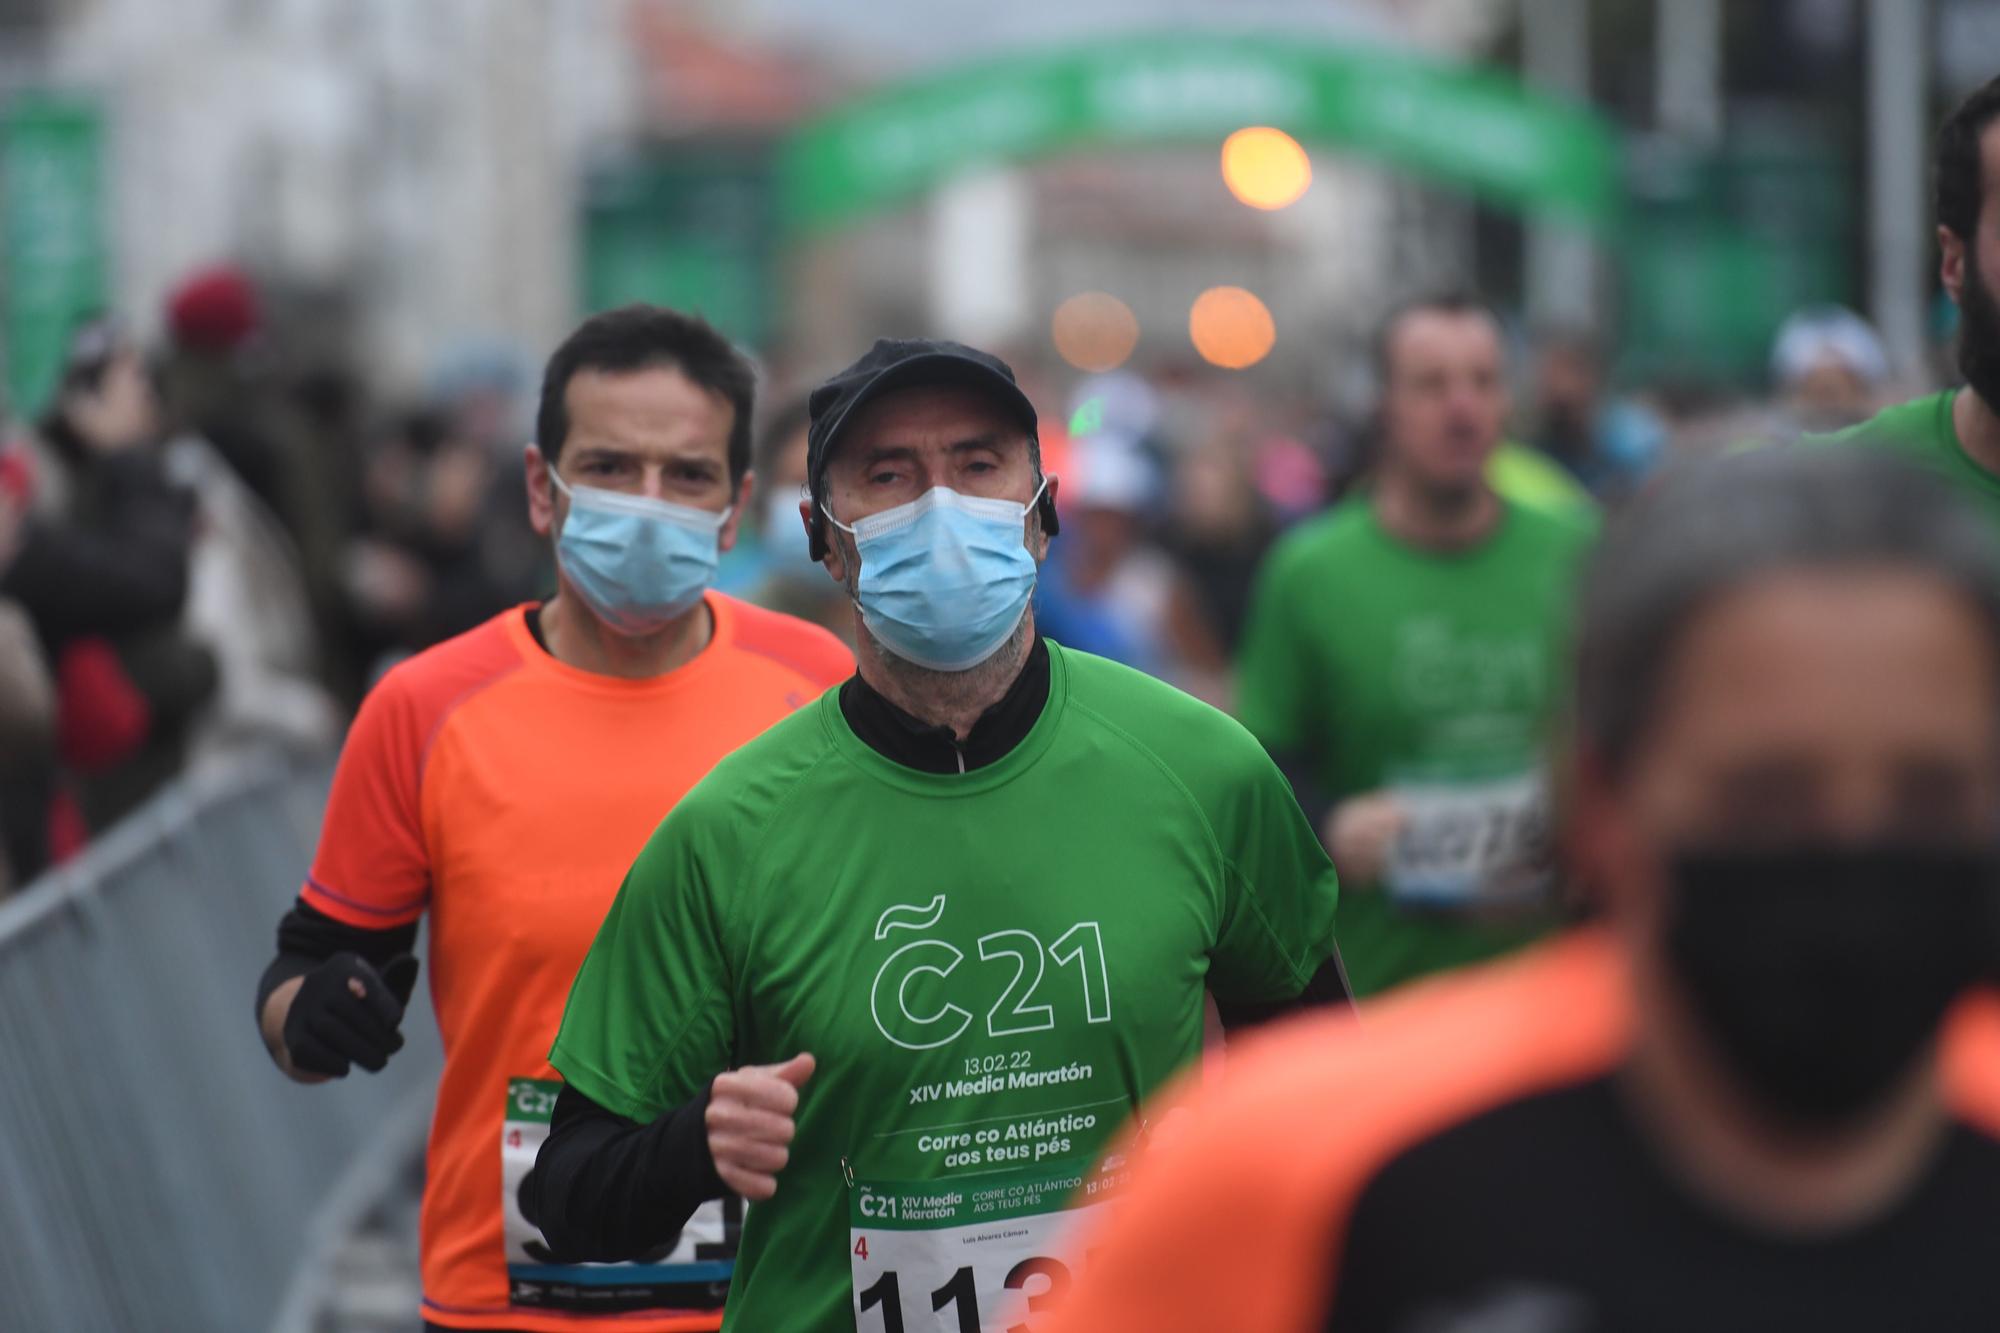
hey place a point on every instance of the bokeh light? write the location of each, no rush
(1095, 331)
(1231, 328)
(1265, 168)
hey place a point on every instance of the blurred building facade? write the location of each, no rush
(489, 168)
(428, 168)
(418, 160)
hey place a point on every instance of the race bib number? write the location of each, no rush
(688, 1274)
(991, 1252)
(1471, 846)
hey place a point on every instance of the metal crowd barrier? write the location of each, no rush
(157, 1174)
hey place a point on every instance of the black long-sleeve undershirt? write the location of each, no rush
(308, 937)
(608, 1188)
(1326, 986)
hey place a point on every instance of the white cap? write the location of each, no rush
(1112, 472)
(1817, 334)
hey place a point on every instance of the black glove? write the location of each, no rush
(330, 1027)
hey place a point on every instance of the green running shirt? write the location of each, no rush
(996, 964)
(1431, 674)
(1921, 431)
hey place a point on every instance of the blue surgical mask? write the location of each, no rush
(945, 579)
(639, 563)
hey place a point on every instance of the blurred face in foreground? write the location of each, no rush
(1444, 400)
(1839, 704)
(1778, 850)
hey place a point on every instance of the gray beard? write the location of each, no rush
(953, 691)
(926, 692)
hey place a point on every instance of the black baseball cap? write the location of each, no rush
(903, 363)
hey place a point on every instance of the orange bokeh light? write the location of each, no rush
(1094, 331)
(1265, 168)
(1231, 328)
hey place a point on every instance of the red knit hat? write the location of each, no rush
(214, 309)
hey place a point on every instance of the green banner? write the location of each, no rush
(688, 228)
(1722, 244)
(52, 254)
(1472, 128)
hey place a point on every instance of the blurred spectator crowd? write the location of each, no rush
(216, 542)
(1175, 487)
(207, 544)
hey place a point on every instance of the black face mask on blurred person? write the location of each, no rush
(1820, 973)
(1979, 336)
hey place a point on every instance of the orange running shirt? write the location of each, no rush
(1251, 1209)
(506, 794)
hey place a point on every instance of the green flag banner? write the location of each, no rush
(1473, 128)
(52, 256)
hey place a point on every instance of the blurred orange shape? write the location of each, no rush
(1231, 328)
(1095, 331)
(1265, 168)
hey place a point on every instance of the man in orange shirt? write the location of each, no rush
(503, 781)
(1765, 1092)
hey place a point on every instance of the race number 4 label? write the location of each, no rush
(691, 1273)
(1472, 845)
(981, 1255)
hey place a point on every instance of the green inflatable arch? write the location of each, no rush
(1468, 127)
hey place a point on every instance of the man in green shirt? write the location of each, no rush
(897, 969)
(1957, 432)
(1400, 665)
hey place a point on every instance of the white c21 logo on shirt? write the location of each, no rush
(1015, 1012)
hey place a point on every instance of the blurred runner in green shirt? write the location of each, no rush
(1400, 664)
(1957, 432)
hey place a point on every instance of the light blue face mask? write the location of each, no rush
(946, 578)
(637, 562)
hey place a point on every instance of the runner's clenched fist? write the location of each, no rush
(750, 1123)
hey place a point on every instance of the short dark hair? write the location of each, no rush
(1716, 525)
(1959, 179)
(640, 337)
(1448, 302)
